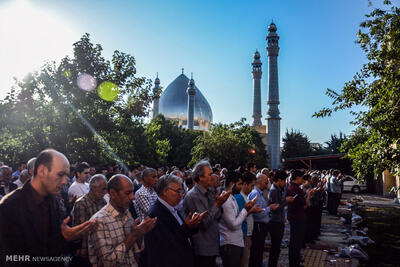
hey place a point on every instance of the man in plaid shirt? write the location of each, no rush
(117, 235)
(84, 208)
(146, 196)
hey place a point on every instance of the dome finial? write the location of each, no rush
(157, 74)
(191, 76)
(183, 70)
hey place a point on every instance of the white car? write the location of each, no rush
(351, 184)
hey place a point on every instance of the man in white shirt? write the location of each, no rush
(80, 187)
(230, 226)
(249, 180)
(23, 177)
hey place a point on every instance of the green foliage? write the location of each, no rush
(376, 88)
(295, 144)
(335, 143)
(229, 145)
(47, 109)
(172, 143)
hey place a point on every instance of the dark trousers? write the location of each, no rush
(297, 232)
(204, 261)
(312, 227)
(260, 231)
(231, 255)
(333, 202)
(276, 230)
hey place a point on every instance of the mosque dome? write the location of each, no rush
(174, 104)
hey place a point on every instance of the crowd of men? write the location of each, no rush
(109, 216)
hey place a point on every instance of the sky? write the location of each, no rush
(215, 40)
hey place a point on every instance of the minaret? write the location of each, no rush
(156, 100)
(273, 119)
(257, 89)
(191, 93)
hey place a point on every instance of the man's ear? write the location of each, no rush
(42, 170)
(113, 193)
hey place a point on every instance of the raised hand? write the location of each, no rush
(144, 227)
(255, 209)
(249, 205)
(221, 198)
(192, 220)
(76, 232)
(273, 207)
(289, 199)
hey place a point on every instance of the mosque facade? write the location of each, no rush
(183, 102)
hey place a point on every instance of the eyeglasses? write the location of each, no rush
(179, 191)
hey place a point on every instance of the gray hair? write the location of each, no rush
(147, 172)
(2, 168)
(176, 172)
(96, 180)
(260, 175)
(165, 181)
(31, 163)
(198, 169)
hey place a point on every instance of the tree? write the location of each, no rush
(376, 88)
(295, 144)
(48, 109)
(170, 143)
(230, 145)
(335, 143)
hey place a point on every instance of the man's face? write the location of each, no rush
(207, 180)
(238, 186)
(160, 172)
(22, 167)
(92, 171)
(263, 182)
(151, 179)
(124, 197)
(6, 174)
(246, 188)
(24, 177)
(281, 183)
(53, 180)
(253, 169)
(100, 190)
(214, 180)
(83, 176)
(173, 194)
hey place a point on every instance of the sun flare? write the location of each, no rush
(29, 37)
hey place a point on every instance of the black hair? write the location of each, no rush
(280, 175)
(82, 166)
(306, 177)
(296, 173)
(248, 177)
(232, 177)
(251, 165)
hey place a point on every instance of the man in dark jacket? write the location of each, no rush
(168, 244)
(297, 216)
(277, 221)
(30, 217)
